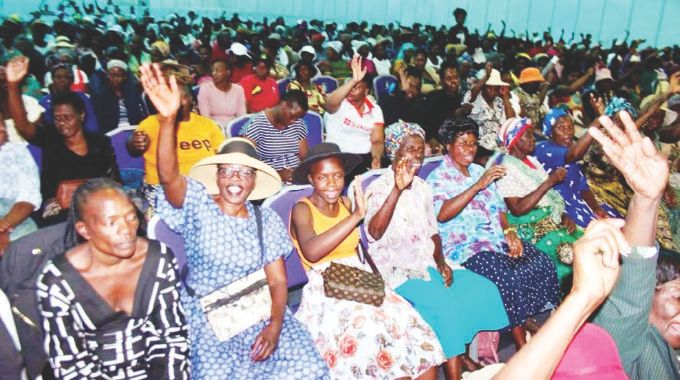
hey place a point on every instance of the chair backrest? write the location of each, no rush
(157, 230)
(237, 125)
(119, 138)
(383, 85)
(429, 165)
(314, 123)
(282, 203)
(36, 152)
(329, 84)
(282, 84)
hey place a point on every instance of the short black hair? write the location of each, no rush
(459, 12)
(667, 268)
(70, 98)
(310, 66)
(445, 66)
(296, 97)
(414, 72)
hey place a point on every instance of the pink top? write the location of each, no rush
(221, 106)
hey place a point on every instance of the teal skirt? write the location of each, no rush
(457, 313)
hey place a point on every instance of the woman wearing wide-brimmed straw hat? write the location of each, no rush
(210, 209)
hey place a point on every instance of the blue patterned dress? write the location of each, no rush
(221, 249)
(553, 156)
(474, 238)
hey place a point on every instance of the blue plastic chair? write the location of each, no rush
(237, 125)
(36, 152)
(282, 84)
(429, 165)
(329, 84)
(314, 123)
(282, 203)
(384, 85)
(119, 138)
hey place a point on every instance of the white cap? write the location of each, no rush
(116, 63)
(307, 49)
(238, 49)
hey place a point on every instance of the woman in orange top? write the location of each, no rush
(355, 339)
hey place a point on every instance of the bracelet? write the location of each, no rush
(508, 230)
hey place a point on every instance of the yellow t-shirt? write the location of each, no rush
(196, 139)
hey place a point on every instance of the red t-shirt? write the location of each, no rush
(218, 52)
(237, 74)
(260, 94)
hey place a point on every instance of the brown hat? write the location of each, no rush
(319, 152)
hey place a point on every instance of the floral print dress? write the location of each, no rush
(361, 341)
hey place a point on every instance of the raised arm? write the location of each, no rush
(403, 176)
(477, 88)
(314, 246)
(580, 82)
(16, 70)
(336, 97)
(165, 95)
(596, 268)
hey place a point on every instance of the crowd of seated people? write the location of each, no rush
(554, 192)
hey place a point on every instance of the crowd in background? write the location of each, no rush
(518, 120)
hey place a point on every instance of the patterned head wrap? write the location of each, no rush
(512, 130)
(454, 127)
(617, 105)
(551, 118)
(397, 132)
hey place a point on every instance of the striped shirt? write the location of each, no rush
(279, 148)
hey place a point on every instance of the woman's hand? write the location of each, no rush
(596, 259)
(358, 72)
(140, 141)
(597, 104)
(568, 223)
(557, 176)
(514, 244)
(163, 93)
(375, 163)
(359, 200)
(5, 226)
(404, 172)
(447, 273)
(601, 214)
(265, 343)
(286, 174)
(16, 69)
(645, 169)
(51, 208)
(491, 174)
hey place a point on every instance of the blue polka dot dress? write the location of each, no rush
(221, 249)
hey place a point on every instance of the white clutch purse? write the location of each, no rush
(235, 307)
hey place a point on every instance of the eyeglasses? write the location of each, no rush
(229, 171)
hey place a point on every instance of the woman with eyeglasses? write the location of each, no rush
(62, 80)
(69, 152)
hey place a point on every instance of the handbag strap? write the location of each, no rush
(184, 272)
(364, 252)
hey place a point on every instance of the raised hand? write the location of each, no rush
(557, 176)
(596, 103)
(16, 69)
(645, 169)
(596, 258)
(404, 172)
(358, 72)
(359, 199)
(491, 174)
(164, 93)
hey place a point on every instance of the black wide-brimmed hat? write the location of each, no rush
(319, 152)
